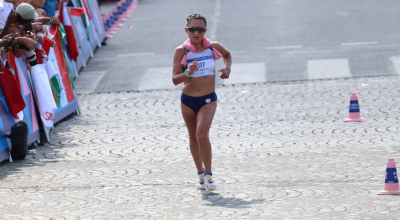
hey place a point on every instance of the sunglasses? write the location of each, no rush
(194, 29)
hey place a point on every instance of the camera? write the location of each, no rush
(30, 55)
(28, 29)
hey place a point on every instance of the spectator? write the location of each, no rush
(22, 26)
(5, 9)
(50, 8)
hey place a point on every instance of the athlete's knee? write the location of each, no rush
(202, 138)
(193, 140)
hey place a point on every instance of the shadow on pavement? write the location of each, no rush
(45, 154)
(216, 199)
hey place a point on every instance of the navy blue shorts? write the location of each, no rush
(196, 103)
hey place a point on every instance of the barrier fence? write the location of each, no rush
(48, 88)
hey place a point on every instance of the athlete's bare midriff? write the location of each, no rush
(199, 86)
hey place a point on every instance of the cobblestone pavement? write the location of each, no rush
(281, 151)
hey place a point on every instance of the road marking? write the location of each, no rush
(284, 47)
(331, 68)
(396, 63)
(157, 78)
(135, 54)
(359, 43)
(244, 73)
(215, 20)
(87, 81)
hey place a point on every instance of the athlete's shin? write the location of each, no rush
(195, 151)
(205, 151)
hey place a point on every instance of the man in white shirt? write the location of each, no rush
(5, 9)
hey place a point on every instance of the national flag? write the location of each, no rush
(83, 12)
(83, 5)
(62, 65)
(10, 84)
(47, 43)
(77, 12)
(63, 35)
(71, 40)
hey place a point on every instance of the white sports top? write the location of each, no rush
(205, 62)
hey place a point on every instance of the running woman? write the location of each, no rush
(194, 66)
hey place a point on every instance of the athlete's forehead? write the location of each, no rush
(196, 23)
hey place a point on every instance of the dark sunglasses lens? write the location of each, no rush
(198, 29)
(201, 30)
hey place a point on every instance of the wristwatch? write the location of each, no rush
(186, 72)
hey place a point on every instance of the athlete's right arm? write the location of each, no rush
(177, 76)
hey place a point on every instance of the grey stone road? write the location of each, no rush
(281, 151)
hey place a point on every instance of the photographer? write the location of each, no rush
(22, 26)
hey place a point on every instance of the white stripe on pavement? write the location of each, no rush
(331, 68)
(157, 78)
(284, 47)
(215, 20)
(135, 54)
(359, 43)
(396, 63)
(244, 73)
(87, 81)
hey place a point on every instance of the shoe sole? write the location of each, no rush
(201, 188)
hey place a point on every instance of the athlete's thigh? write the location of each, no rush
(190, 117)
(205, 117)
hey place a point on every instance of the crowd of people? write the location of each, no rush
(32, 31)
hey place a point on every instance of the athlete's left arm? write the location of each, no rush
(224, 73)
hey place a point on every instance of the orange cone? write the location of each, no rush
(391, 180)
(354, 109)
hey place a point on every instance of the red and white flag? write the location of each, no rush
(71, 39)
(62, 65)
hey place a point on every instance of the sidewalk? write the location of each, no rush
(281, 151)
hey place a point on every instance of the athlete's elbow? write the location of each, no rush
(175, 81)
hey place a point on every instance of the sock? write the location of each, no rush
(209, 174)
(200, 172)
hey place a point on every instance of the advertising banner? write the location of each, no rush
(5, 124)
(81, 37)
(96, 17)
(30, 116)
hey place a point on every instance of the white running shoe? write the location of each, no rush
(201, 184)
(210, 183)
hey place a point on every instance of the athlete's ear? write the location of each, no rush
(186, 30)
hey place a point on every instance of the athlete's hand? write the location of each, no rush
(224, 73)
(193, 67)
